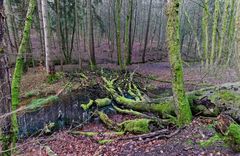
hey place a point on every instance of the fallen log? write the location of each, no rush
(207, 101)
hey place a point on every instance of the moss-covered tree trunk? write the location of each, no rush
(205, 38)
(181, 103)
(223, 31)
(16, 80)
(214, 30)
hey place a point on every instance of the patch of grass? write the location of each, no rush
(53, 78)
(37, 103)
(32, 93)
(211, 141)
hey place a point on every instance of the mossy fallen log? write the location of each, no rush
(108, 122)
(99, 103)
(137, 126)
(130, 112)
(207, 101)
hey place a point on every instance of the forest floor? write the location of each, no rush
(187, 142)
(156, 77)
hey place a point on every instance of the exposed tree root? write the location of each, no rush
(91, 134)
(131, 112)
(137, 126)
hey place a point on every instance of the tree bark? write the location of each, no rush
(46, 34)
(128, 34)
(173, 33)
(147, 32)
(237, 42)
(91, 35)
(118, 33)
(5, 86)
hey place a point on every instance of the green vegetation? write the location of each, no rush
(138, 126)
(53, 78)
(38, 103)
(102, 142)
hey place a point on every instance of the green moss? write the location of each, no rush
(108, 122)
(138, 126)
(103, 102)
(131, 112)
(163, 108)
(102, 142)
(53, 78)
(37, 103)
(233, 137)
(87, 105)
(226, 95)
(211, 141)
(88, 134)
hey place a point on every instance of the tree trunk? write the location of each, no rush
(91, 35)
(173, 33)
(118, 33)
(223, 31)
(147, 32)
(5, 92)
(128, 34)
(205, 39)
(46, 34)
(214, 31)
(59, 36)
(129, 57)
(237, 42)
(16, 80)
(41, 33)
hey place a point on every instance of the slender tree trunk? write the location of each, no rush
(59, 36)
(78, 25)
(173, 33)
(11, 23)
(46, 34)
(41, 33)
(214, 31)
(129, 57)
(231, 31)
(237, 41)
(91, 36)
(223, 31)
(205, 39)
(147, 32)
(17, 75)
(118, 33)
(135, 24)
(128, 34)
